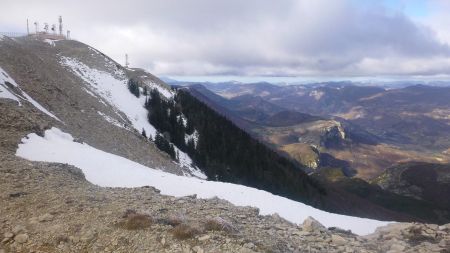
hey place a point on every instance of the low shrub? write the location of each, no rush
(135, 221)
(219, 224)
(185, 231)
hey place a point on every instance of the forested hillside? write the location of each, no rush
(225, 152)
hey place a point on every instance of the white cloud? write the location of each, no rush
(253, 37)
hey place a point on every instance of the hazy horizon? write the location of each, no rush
(306, 80)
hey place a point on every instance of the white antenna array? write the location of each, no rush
(46, 27)
(53, 30)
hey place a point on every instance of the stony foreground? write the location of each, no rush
(51, 208)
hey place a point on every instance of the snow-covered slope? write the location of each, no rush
(112, 88)
(6, 92)
(106, 169)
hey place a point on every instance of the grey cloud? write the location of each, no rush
(252, 37)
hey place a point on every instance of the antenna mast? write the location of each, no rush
(60, 25)
(28, 28)
(46, 28)
(126, 61)
(36, 25)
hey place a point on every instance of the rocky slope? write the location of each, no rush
(36, 66)
(48, 207)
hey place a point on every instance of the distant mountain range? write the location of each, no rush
(339, 128)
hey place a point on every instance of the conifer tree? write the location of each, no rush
(133, 86)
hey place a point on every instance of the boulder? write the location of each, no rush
(310, 224)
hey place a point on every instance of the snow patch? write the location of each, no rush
(5, 93)
(4, 77)
(163, 91)
(50, 42)
(194, 136)
(40, 107)
(186, 162)
(90, 92)
(316, 94)
(112, 120)
(183, 119)
(108, 170)
(115, 91)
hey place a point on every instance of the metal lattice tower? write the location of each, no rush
(60, 25)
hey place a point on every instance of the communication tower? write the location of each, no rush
(36, 25)
(60, 25)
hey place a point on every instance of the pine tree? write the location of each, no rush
(133, 86)
(145, 91)
(144, 133)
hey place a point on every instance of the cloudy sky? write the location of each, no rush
(305, 38)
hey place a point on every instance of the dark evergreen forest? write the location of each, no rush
(133, 87)
(223, 151)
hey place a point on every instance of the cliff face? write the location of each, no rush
(333, 136)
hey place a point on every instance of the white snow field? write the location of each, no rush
(108, 170)
(5, 93)
(115, 91)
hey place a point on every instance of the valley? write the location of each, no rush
(344, 133)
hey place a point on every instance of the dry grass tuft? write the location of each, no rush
(219, 224)
(184, 231)
(136, 221)
(415, 235)
(174, 220)
(129, 212)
